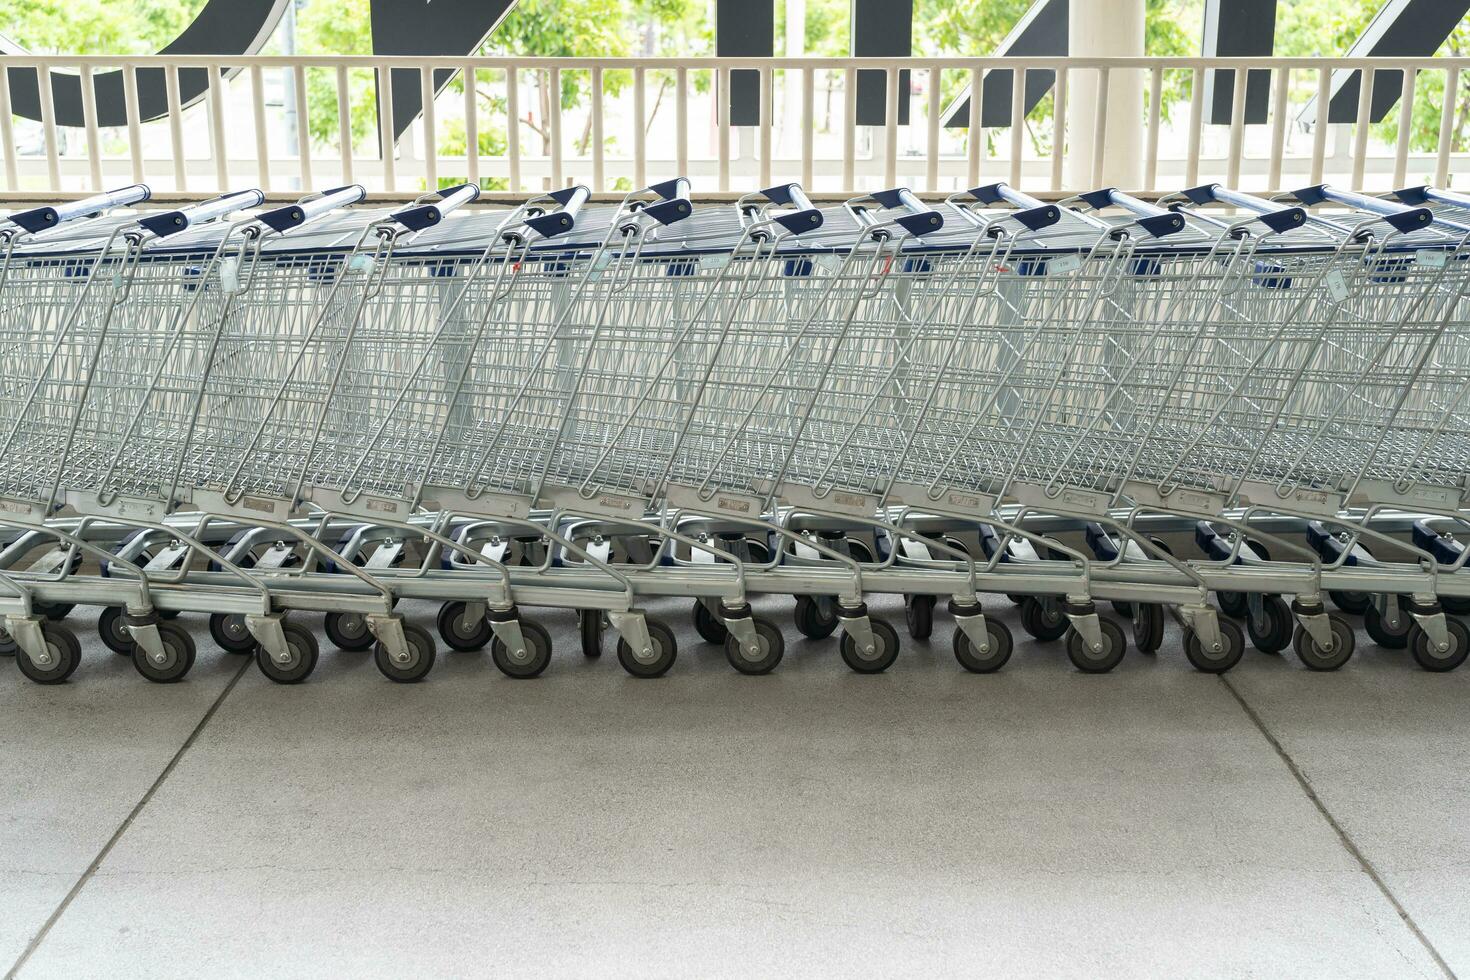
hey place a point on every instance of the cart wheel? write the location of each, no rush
(918, 610)
(1019, 600)
(1455, 605)
(230, 633)
(1386, 636)
(1355, 603)
(710, 627)
(537, 657)
(178, 651)
(1273, 633)
(1001, 645)
(301, 644)
(54, 611)
(1314, 657)
(1124, 609)
(1232, 648)
(1044, 622)
(1233, 604)
(814, 622)
(1090, 661)
(1148, 627)
(458, 633)
(113, 633)
(65, 652)
(1426, 656)
(420, 657)
(665, 649)
(772, 645)
(885, 649)
(590, 624)
(7, 643)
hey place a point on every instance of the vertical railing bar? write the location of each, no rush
(1360, 128)
(1018, 122)
(344, 124)
(1100, 126)
(1196, 126)
(1237, 129)
(722, 114)
(135, 121)
(640, 127)
(429, 121)
(257, 114)
(808, 124)
(931, 147)
(471, 83)
(766, 83)
(1447, 125)
(303, 127)
(89, 124)
(849, 130)
(890, 128)
(1151, 151)
(554, 86)
(1059, 130)
(1406, 125)
(175, 126)
(598, 151)
(7, 134)
(681, 121)
(1319, 130)
(1282, 79)
(48, 125)
(217, 129)
(513, 126)
(385, 128)
(975, 137)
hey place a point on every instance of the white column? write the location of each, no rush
(1105, 29)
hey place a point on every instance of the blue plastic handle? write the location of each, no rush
(1401, 217)
(1034, 214)
(172, 222)
(39, 219)
(672, 190)
(805, 218)
(920, 220)
(422, 216)
(560, 222)
(296, 215)
(1154, 220)
(1270, 214)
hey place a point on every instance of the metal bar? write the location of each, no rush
(1196, 126)
(1447, 125)
(554, 87)
(344, 125)
(640, 129)
(48, 125)
(1282, 79)
(89, 124)
(257, 112)
(722, 112)
(849, 129)
(135, 121)
(1151, 152)
(1360, 128)
(599, 182)
(1406, 127)
(1018, 123)
(7, 135)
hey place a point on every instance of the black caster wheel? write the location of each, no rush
(590, 624)
(1313, 657)
(537, 656)
(1232, 648)
(1123, 609)
(7, 643)
(1091, 661)
(918, 611)
(1043, 620)
(301, 645)
(1019, 600)
(1455, 605)
(230, 634)
(772, 645)
(178, 651)
(65, 653)
(458, 632)
(420, 657)
(1353, 603)
(710, 627)
(1233, 604)
(1386, 636)
(885, 649)
(1148, 627)
(110, 626)
(1272, 633)
(1435, 661)
(989, 662)
(813, 620)
(54, 611)
(665, 650)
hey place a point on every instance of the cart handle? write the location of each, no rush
(1402, 217)
(560, 222)
(422, 216)
(172, 222)
(309, 208)
(1034, 214)
(1422, 195)
(1273, 216)
(805, 218)
(920, 219)
(40, 219)
(672, 190)
(1157, 221)
(672, 204)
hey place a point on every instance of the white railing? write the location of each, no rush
(241, 129)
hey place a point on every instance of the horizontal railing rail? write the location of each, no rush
(513, 123)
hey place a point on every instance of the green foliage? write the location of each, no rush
(95, 26)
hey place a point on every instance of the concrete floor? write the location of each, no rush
(1153, 821)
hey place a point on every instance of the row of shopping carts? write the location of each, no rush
(1216, 408)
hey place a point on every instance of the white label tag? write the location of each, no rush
(602, 261)
(1431, 258)
(718, 261)
(361, 263)
(1337, 285)
(829, 263)
(1065, 264)
(229, 274)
